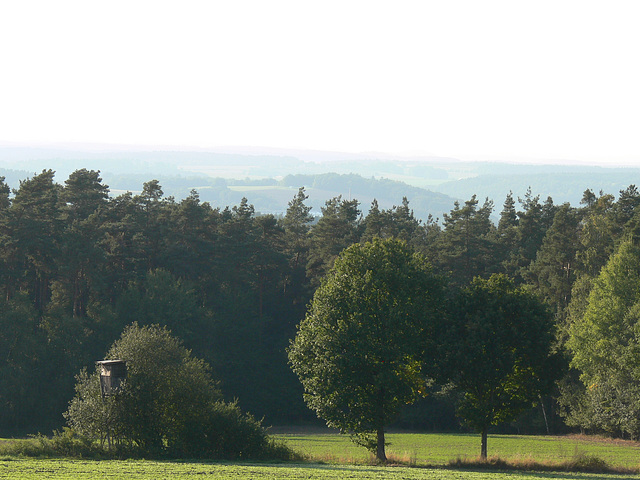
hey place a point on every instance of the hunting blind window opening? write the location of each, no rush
(112, 376)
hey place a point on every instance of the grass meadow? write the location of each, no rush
(439, 449)
(332, 456)
(37, 469)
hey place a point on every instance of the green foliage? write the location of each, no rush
(338, 228)
(224, 431)
(506, 235)
(552, 274)
(598, 235)
(77, 265)
(23, 348)
(169, 404)
(84, 193)
(496, 350)
(35, 226)
(65, 444)
(396, 222)
(297, 224)
(581, 463)
(161, 299)
(465, 247)
(358, 351)
(605, 343)
(532, 223)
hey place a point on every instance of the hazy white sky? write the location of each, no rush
(551, 80)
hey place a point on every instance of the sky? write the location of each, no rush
(552, 81)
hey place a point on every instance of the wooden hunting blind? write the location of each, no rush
(112, 376)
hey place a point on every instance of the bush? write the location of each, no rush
(66, 443)
(169, 405)
(588, 463)
(580, 463)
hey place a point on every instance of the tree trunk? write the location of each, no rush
(544, 413)
(380, 453)
(483, 444)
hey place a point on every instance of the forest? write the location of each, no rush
(77, 266)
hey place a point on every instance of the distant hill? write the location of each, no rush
(269, 178)
(272, 196)
(563, 184)
(387, 192)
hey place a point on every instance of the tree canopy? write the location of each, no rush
(79, 262)
(605, 343)
(496, 350)
(358, 352)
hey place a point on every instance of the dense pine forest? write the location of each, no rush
(78, 265)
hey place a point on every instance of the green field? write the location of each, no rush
(20, 468)
(438, 449)
(333, 456)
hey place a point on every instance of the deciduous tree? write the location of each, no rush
(605, 343)
(496, 350)
(358, 352)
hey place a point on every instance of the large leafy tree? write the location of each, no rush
(605, 343)
(496, 351)
(358, 351)
(84, 193)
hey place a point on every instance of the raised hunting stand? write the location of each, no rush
(112, 376)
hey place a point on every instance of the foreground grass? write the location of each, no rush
(332, 456)
(441, 449)
(26, 469)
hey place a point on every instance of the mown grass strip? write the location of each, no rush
(32, 469)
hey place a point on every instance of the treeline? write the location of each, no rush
(77, 266)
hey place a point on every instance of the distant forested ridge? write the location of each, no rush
(78, 263)
(267, 176)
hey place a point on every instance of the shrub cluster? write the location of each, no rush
(169, 406)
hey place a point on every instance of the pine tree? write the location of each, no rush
(553, 272)
(338, 228)
(465, 246)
